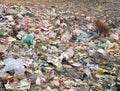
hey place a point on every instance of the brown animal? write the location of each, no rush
(102, 27)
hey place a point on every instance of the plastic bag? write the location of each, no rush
(1, 33)
(67, 54)
(14, 64)
(87, 72)
(28, 39)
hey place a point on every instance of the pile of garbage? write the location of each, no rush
(48, 49)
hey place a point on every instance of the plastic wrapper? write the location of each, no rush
(66, 37)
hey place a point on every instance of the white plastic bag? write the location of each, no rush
(67, 54)
(14, 64)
